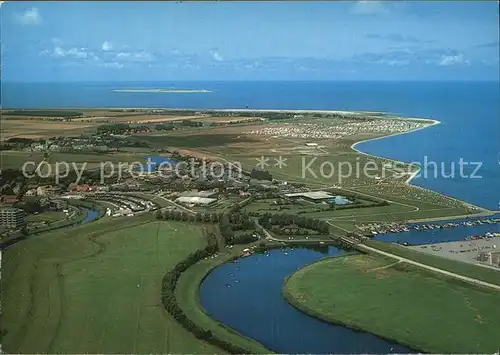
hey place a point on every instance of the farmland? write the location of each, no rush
(38, 128)
(96, 289)
(16, 159)
(413, 303)
(314, 149)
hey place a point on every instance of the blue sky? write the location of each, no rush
(356, 40)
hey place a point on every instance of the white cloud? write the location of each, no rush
(214, 52)
(45, 52)
(74, 53)
(142, 56)
(112, 65)
(218, 57)
(393, 62)
(106, 46)
(29, 17)
(369, 7)
(123, 55)
(452, 60)
(58, 52)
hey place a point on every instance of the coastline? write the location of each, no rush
(412, 175)
(301, 307)
(483, 211)
(380, 115)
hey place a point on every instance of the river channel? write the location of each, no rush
(246, 296)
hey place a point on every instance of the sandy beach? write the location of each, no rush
(484, 211)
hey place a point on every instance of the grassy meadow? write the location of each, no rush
(235, 145)
(458, 267)
(400, 302)
(96, 289)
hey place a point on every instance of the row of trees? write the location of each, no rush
(237, 221)
(119, 128)
(30, 205)
(374, 204)
(114, 128)
(269, 220)
(178, 215)
(164, 127)
(261, 175)
(171, 305)
(44, 113)
(189, 123)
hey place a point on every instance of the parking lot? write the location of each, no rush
(466, 250)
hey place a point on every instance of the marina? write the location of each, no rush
(383, 228)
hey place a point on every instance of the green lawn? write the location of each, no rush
(400, 302)
(96, 289)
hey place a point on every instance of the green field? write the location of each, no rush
(16, 159)
(46, 216)
(400, 302)
(43, 113)
(399, 209)
(458, 267)
(406, 202)
(96, 289)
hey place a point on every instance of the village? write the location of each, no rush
(338, 129)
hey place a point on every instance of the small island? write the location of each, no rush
(170, 91)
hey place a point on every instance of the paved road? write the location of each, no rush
(432, 268)
(269, 235)
(163, 198)
(401, 259)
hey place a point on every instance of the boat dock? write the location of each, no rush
(383, 228)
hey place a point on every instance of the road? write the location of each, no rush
(269, 236)
(400, 259)
(428, 267)
(171, 202)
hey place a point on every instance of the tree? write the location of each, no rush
(31, 205)
(261, 175)
(24, 231)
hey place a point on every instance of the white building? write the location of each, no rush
(194, 200)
